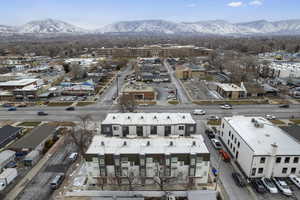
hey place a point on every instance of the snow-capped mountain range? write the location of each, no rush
(215, 27)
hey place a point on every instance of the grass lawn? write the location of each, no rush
(59, 103)
(61, 123)
(214, 122)
(277, 122)
(29, 124)
(85, 103)
(295, 121)
(174, 102)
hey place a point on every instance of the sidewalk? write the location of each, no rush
(33, 172)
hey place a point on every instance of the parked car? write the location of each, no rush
(12, 109)
(57, 181)
(282, 186)
(22, 105)
(42, 113)
(225, 156)
(284, 106)
(198, 112)
(216, 143)
(6, 105)
(73, 156)
(70, 108)
(295, 180)
(270, 117)
(258, 186)
(268, 183)
(210, 134)
(238, 179)
(226, 106)
(213, 117)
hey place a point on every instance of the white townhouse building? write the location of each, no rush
(182, 159)
(148, 124)
(260, 148)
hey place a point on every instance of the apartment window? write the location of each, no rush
(293, 170)
(231, 145)
(233, 149)
(237, 155)
(284, 170)
(296, 159)
(238, 145)
(234, 140)
(181, 128)
(262, 160)
(229, 133)
(139, 131)
(101, 161)
(260, 170)
(222, 133)
(287, 160)
(253, 172)
(153, 130)
(278, 159)
(228, 142)
(174, 160)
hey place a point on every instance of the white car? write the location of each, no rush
(216, 143)
(282, 186)
(295, 180)
(226, 107)
(270, 117)
(199, 112)
(213, 117)
(268, 183)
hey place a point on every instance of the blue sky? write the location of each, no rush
(96, 13)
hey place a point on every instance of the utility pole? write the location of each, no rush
(218, 172)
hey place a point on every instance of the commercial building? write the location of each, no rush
(230, 91)
(8, 133)
(35, 139)
(18, 84)
(140, 92)
(182, 159)
(260, 148)
(6, 157)
(148, 124)
(189, 71)
(281, 70)
(155, 51)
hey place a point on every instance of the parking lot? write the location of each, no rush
(165, 91)
(200, 89)
(226, 169)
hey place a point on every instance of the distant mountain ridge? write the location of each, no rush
(215, 27)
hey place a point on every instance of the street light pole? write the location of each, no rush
(117, 85)
(218, 173)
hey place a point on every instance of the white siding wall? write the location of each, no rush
(244, 151)
(132, 130)
(160, 130)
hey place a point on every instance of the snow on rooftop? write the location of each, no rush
(148, 118)
(156, 145)
(260, 139)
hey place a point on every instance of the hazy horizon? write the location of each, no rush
(93, 14)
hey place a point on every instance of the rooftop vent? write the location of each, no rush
(114, 117)
(124, 143)
(183, 117)
(168, 117)
(102, 143)
(148, 143)
(128, 117)
(171, 143)
(142, 117)
(154, 117)
(194, 143)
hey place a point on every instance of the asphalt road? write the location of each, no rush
(180, 91)
(98, 112)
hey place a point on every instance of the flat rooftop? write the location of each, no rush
(157, 145)
(230, 87)
(137, 88)
(148, 118)
(22, 82)
(260, 139)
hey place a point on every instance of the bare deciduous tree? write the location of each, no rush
(127, 102)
